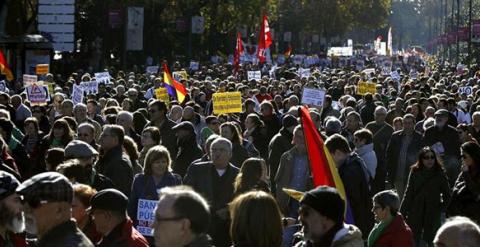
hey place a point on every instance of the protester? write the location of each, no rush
(178, 207)
(458, 231)
(48, 210)
(391, 229)
(82, 195)
(256, 220)
(239, 153)
(188, 149)
(12, 219)
(322, 216)
(252, 176)
(158, 118)
(109, 211)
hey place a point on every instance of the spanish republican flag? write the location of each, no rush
(322, 165)
(288, 52)
(4, 69)
(169, 81)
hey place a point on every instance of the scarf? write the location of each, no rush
(378, 230)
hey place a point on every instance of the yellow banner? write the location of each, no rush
(162, 94)
(230, 102)
(366, 87)
(42, 69)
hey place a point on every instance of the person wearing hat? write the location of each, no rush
(321, 214)
(47, 199)
(444, 139)
(158, 113)
(279, 144)
(86, 156)
(12, 219)
(109, 211)
(138, 103)
(188, 149)
(115, 163)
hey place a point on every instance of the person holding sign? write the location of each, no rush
(156, 175)
(108, 208)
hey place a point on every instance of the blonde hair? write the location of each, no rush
(155, 153)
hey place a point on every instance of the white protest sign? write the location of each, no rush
(413, 74)
(77, 94)
(102, 77)
(29, 79)
(395, 76)
(304, 73)
(146, 216)
(3, 86)
(194, 65)
(368, 72)
(152, 69)
(254, 75)
(37, 94)
(465, 90)
(313, 96)
(90, 87)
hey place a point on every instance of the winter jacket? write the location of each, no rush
(448, 136)
(369, 157)
(348, 236)
(123, 235)
(397, 234)
(279, 144)
(466, 197)
(65, 234)
(188, 151)
(116, 165)
(393, 152)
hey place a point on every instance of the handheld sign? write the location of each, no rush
(254, 75)
(146, 216)
(162, 94)
(194, 65)
(3, 86)
(37, 94)
(180, 75)
(230, 102)
(77, 94)
(152, 70)
(102, 77)
(465, 90)
(90, 87)
(304, 73)
(29, 79)
(366, 87)
(313, 96)
(395, 76)
(42, 69)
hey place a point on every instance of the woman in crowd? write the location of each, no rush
(466, 192)
(256, 133)
(139, 122)
(156, 175)
(391, 229)
(32, 140)
(39, 113)
(239, 153)
(252, 176)
(397, 124)
(58, 137)
(256, 220)
(426, 196)
(352, 124)
(150, 137)
(464, 133)
(81, 201)
(130, 148)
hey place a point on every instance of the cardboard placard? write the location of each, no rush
(37, 94)
(102, 77)
(313, 96)
(29, 79)
(77, 94)
(90, 87)
(146, 216)
(152, 70)
(162, 94)
(230, 102)
(366, 87)
(42, 69)
(254, 75)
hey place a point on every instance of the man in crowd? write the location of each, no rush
(182, 218)
(109, 211)
(48, 211)
(86, 133)
(322, 217)
(80, 113)
(22, 112)
(12, 219)
(115, 163)
(458, 231)
(125, 119)
(214, 180)
(158, 117)
(188, 149)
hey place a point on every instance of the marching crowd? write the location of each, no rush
(126, 169)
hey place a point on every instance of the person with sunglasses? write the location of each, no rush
(47, 205)
(426, 196)
(109, 212)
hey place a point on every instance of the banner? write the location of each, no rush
(42, 69)
(152, 69)
(90, 87)
(77, 94)
(146, 216)
(102, 77)
(230, 102)
(254, 75)
(340, 51)
(313, 96)
(37, 94)
(162, 94)
(29, 79)
(366, 87)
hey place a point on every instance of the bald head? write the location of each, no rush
(458, 232)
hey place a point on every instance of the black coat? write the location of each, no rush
(65, 234)
(448, 136)
(116, 165)
(188, 152)
(466, 197)
(169, 140)
(393, 151)
(280, 143)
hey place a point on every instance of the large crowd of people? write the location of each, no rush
(123, 168)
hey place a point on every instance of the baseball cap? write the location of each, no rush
(110, 200)
(46, 187)
(326, 201)
(79, 149)
(185, 125)
(8, 184)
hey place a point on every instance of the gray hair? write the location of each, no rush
(380, 109)
(428, 123)
(388, 198)
(128, 115)
(467, 233)
(79, 106)
(223, 141)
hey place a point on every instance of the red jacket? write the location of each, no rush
(398, 234)
(124, 235)
(18, 240)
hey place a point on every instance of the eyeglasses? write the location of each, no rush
(428, 157)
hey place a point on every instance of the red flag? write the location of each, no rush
(288, 52)
(4, 69)
(179, 87)
(238, 52)
(265, 39)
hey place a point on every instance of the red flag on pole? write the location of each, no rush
(265, 39)
(4, 69)
(238, 52)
